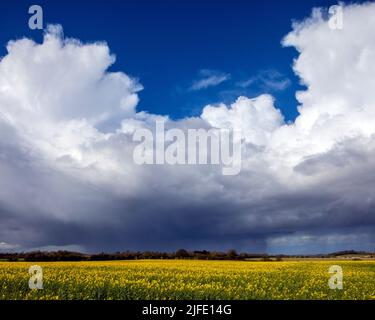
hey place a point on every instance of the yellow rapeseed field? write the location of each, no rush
(180, 279)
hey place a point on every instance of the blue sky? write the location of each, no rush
(67, 125)
(166, 44)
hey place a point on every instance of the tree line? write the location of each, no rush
(179, 254)
(128, 255)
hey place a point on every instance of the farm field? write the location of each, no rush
(188, 279)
